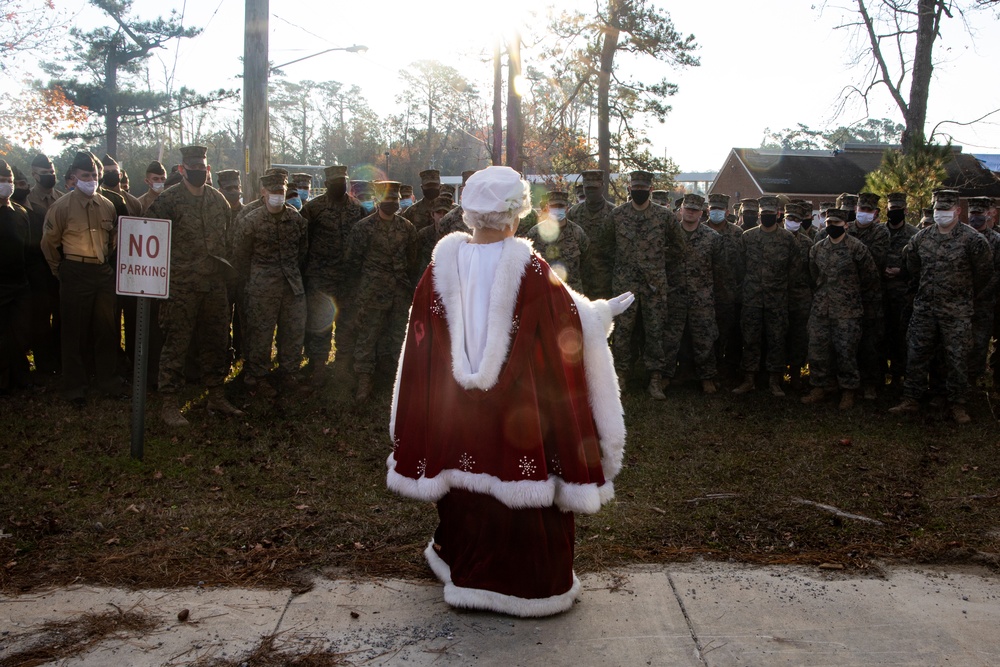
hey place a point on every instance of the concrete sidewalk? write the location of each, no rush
(696, 615)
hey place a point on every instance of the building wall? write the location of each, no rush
(733, 180)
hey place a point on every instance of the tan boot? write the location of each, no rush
(655, 387)
(217, 402)
(846, 399)
(774, 384)
(365, 387)
(959, 415)
(815, 396)
(708, 386)
(170, 413)
(747, 386)
(907, 406)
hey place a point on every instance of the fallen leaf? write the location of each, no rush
(831, 566)
(132, 508)
(216, 488)
(359, 546)
(9, 564)
(217, 470)
(113, 540)
(157, 475)
(301, 507)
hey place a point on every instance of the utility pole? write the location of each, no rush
(256, 131)
(515, 128)
(497, 106)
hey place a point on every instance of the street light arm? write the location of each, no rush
(350, 49)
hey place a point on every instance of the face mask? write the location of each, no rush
(835, 231)
(851, 216)
(557, 213)
(944, 218)
(196, 177)
(389, 207)
(47, 181)
(336, 189)
(430, 193)
(295, 203)
(640, 197)
(769, 219)
(978, 220)
(20, 194)
(865, 218)
(405, 203)
(896, 216)
(368, 206)
(792, 225)
(807, 223)
(716, 216)
(6, 190)
(87, 187)
(276, 201)
(304, 195)
(750, 218)
(157, 187)
(111, 179)
(593, 196)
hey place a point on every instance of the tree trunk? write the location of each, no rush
(515, 131)
(497, 156)
(609, 47)
(928, 22)
(111, 97)
(257, 149)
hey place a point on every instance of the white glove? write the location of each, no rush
(620, 303)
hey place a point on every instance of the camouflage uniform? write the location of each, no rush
(641, 242)
(268, 251)
(420, 213)
(563, 247)
(951, 268)
(727, 297)
(384, 254)
(800, 295)
(198, 305)
(897, 300)
(844, 273)
(769, 263)
(693, 268)
(453, 222)
(982, 318)
(328, 278)
(598, 263)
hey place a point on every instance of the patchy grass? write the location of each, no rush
(266, 654)
(299, 485)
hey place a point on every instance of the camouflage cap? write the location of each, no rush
(825, 206)
(5, 169)
(466, 174)
(996, 202)
(661, 197)
(768, 203)
(868, 200)
(558, 198)
(980, 204)
(156, 167)
(927, 213)
(795, 210)
(41, 161)
(108, 161)
(640, 178)
(194, 152)
(847, 201)
(945, 199)
(593, 178)
(335, 171)
(678, 202)
(836, 214)
(783, 200)
(405, 190)
(442, 204)
(731, 218)
(270, 171)
(228, 177)
(896, 199)
(693, 201)
(387, 189)
(449, 189)
(450, 196)
(273, 179)
(427, 177)
(302, 180)
(749, 205)
(718, 200)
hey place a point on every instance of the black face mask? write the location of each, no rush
(430, 193)
(389, 207)
(977, 220)
(640, 197)
(593, 196)
(112, 179)
(750, 218)
(835, 231)
(807, 223)
(852, 216)
(47, 181)
(896, 216)
(336, 189)
(769, 219)
(20, 195)
(196, 177)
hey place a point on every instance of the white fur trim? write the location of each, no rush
(567, 496)
(478, 598)
(602, 383)
(514, 259)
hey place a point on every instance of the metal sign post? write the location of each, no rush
(144, 272)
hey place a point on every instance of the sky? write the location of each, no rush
(763, 65)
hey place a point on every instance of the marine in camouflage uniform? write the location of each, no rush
(728, 346)
(986, 299)
(198, 306)
(694, 266)
(769, 261)
(897, 298)
(428, 237)
(594, 216)
(383, 251)
(844, 273)
(799, 293)
(643, 233)
(749, 214)
(952, 263)
(430, 186)
(328, 279)
(561, 242)
(269, 250)
(453, 222)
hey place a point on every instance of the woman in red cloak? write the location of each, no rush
(506, 410)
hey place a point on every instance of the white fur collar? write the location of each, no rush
(514, 258)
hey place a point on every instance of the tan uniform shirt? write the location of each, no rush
(43, 200)
(146, 200)
(82, 225)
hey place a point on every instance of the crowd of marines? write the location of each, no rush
(850, 299)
